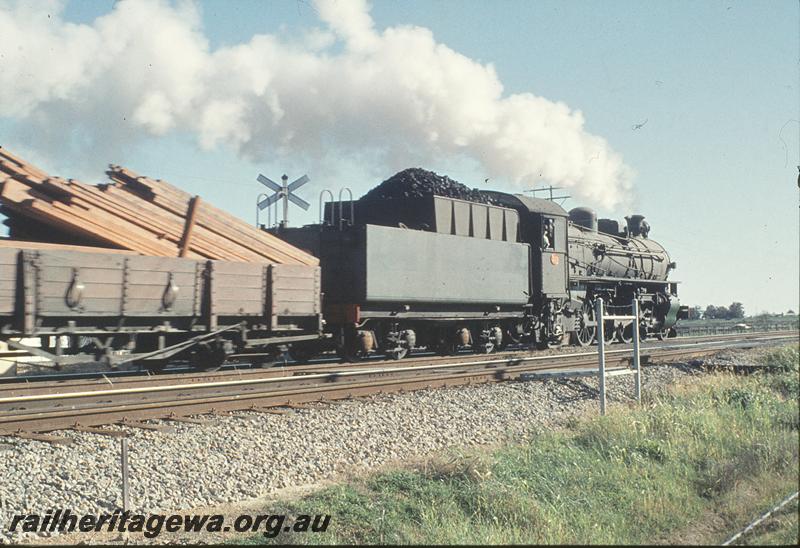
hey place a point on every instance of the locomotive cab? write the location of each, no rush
(543, 225)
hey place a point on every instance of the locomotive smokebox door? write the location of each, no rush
(553, 255)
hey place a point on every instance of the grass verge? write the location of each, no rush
(693, 465)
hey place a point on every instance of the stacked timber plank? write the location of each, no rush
(131, 212)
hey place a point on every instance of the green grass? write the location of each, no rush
(693, 465)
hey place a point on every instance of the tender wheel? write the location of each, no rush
(485, 348)
(446, 348)
(491, 340)
(513, 338)
(398, 354)
(400, 344)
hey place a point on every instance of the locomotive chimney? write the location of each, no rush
(637, 226)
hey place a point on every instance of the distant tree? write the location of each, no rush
(790, 312)
(710, 313)
(735, 310)
(723, 313)
(695, 313)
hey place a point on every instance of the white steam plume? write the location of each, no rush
(146, 68)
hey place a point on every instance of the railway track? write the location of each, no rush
(189, 374)
(44, 407)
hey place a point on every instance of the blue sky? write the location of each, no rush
(700, 99)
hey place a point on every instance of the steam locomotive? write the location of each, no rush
(448, 274)
(395, 274)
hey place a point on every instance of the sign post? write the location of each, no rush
(283, 191)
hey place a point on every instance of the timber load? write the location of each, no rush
(130, 213)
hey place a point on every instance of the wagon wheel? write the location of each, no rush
(586, 329)
(208, 360)
(662, 334)
(302, 354)
(153, 366)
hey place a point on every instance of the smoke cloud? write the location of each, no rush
(396, 96)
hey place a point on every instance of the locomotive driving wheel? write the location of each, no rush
(586, 326)
(609, 331)
(625, 333)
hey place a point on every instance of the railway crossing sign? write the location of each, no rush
(285, 191)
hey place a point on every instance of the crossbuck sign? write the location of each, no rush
(285, 191)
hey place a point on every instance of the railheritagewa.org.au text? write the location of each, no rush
(152, 525)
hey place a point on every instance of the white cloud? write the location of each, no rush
(146, 68)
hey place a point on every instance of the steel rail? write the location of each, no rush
(284, 390)
(28, 385)
(60, 418)
(22, 385)
(312, 376)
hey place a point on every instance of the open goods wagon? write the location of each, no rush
(119, 307)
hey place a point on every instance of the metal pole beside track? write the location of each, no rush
(126, 497)
(601, 353)
(636, 363)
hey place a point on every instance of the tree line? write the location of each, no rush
(732, 312)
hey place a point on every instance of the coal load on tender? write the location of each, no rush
(417, 182)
